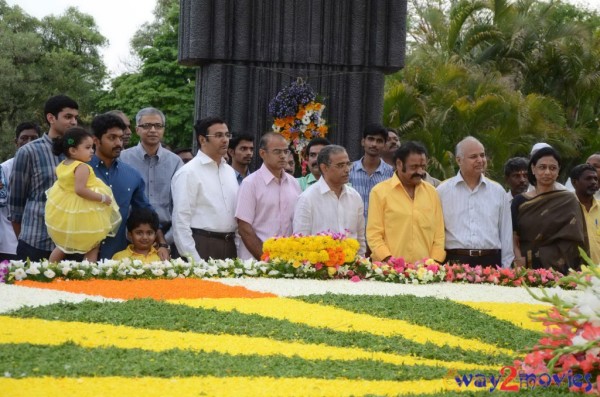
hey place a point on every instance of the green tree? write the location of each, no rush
(161, 82)
(42, 58)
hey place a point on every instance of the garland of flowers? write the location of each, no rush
(570, 350)
(396, 270)
(297, 115)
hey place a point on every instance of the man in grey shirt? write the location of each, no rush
(156, 164)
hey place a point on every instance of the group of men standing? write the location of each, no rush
(210, 209)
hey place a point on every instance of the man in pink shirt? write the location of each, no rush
(266, 199)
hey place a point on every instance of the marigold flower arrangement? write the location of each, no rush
(571, 347)
(323, 249)
(297, 115)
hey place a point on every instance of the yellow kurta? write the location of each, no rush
(131, 254)
(402, 227)
(592, 221)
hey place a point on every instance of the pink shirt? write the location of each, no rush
(267, 205)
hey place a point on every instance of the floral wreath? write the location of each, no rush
(297, 114)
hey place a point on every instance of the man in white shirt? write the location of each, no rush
(330, 204)
(24, 133)
(266, 198)
(476, 212)
(204, 197)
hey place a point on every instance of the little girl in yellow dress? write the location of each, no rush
(81, 210)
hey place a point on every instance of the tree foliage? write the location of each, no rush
(161, 82)
(42, 58)
(510, 73)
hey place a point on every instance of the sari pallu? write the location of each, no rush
(551, 228)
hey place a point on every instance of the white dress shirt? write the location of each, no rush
(478, 218)
(204, 197)
(319, 209)
(8, 240)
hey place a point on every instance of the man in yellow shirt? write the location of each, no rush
(405, 215)
(584, 178)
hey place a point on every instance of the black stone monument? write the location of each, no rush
(248, 50)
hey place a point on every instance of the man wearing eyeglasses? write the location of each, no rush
(204, 197)
(405, 214)
(266, 199)
(156, 164)
(330, 204)
(24, 133)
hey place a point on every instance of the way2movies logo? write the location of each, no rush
(511, 380)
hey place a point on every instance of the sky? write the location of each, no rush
(117, 20)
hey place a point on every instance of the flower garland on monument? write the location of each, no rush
(297, 115)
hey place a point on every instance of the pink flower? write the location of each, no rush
(355, 279)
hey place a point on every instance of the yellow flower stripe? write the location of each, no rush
(213, 386)
(322, 316)
(16, 330)
(516, 313)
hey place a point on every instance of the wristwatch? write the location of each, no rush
(164, 245)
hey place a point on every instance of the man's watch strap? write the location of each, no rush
(164, 245)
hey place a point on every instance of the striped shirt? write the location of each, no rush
(33, 174)
(478, 218)
(363, 182)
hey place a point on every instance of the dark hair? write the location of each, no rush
(104, 122)
(182, 150)
(543, 152)
(201, 127)
(141, 216)
(27, 125)
(376, 129)
(324, 156)
(406, 149)
(72, 138)
(316, 142)
(57, 103)
(578, 171)
(515, 164)
(394, 130)
(237, 138)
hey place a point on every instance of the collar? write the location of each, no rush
(459, 178)
(95, 162)
(204, 159)
(324, 188)
(267, 176)
(133, 253)
(380, 168)
(141, 151)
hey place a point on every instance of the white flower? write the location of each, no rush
(306, 119)
(252, 272)
(157, 272)
(171, 273)
(579, 340)
(309, 113)
(238, 271)
(33, 268)
(273, 273)
(49, 273)
(199, 272)
(95, 271)
(321, 122)
(66, 270)
(109, 271)
(7, 374)
(20, 274)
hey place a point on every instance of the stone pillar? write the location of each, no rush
(247, 50)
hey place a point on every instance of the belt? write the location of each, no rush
(468, 252)
(209, 234)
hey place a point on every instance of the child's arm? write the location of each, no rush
(82, 173)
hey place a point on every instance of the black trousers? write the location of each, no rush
(486, 261)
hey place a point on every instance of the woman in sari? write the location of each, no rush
(548, 224)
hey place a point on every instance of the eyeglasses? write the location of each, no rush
(148, 126)
(544, 167)
(279, 152)
(220, 136)
(341, 166)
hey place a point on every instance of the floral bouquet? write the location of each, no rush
(297, 115)
(324, 250)
(570, 350)
(504, 276)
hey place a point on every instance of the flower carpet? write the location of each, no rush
(259, 337)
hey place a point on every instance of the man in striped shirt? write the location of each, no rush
(476, 212)
(33, 174)
(371, 169)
